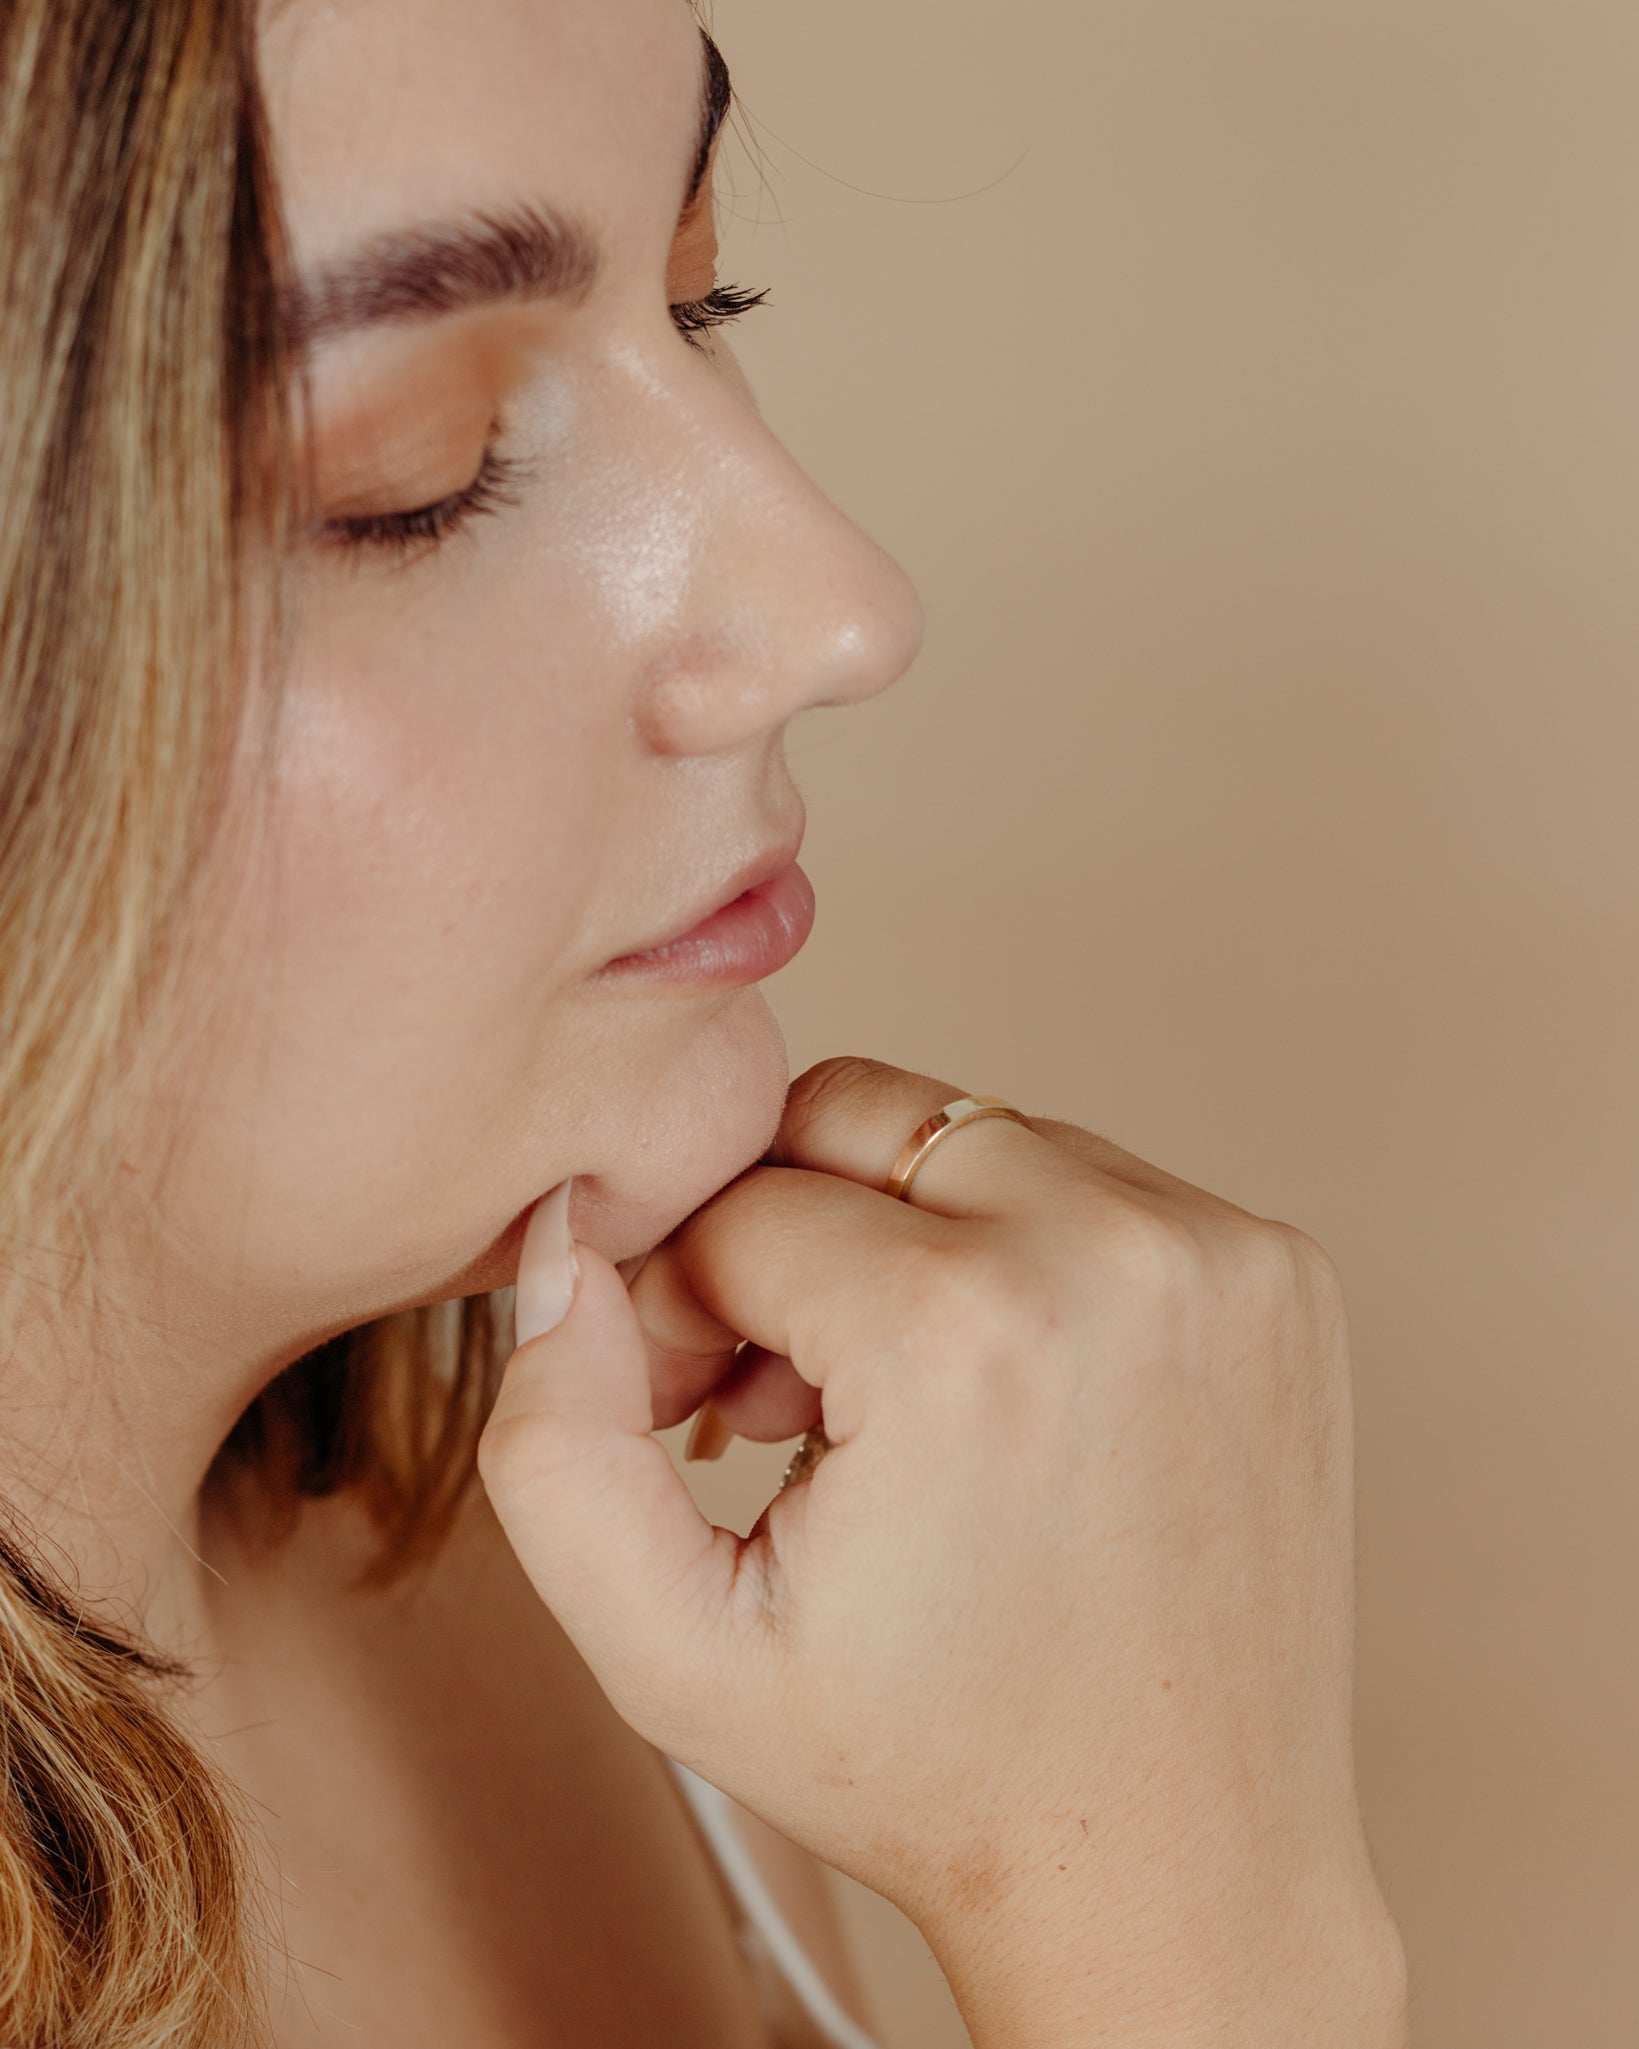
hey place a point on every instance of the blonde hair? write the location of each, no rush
(142, 388)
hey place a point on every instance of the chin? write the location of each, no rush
(695, 1121)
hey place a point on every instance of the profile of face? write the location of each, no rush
(561, 594)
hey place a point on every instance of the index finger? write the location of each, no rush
(805, 1264)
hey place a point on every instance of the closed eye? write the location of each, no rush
(723, 303)
(490, 490)
(425, 526)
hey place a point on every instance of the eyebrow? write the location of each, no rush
(526, 251)
(716, 97)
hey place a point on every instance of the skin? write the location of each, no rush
(550, 742)
(1120, 1788)
(1053, 1649)
(500, 764)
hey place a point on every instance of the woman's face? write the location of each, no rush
(546, 737)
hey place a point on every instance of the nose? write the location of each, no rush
(785, 604)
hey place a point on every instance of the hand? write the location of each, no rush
(1054, 1646)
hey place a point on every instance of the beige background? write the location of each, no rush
(1266, 448)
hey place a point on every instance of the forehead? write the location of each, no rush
(387, 111)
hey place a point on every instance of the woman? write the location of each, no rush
(404, 606)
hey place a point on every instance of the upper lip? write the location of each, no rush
(759, 869)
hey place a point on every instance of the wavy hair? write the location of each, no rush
(144, 445)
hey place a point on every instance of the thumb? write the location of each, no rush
(601, 1522)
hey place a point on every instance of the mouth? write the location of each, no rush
(752, 928)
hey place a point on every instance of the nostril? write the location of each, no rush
(703, 692)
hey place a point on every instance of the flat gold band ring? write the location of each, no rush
(965, 1110)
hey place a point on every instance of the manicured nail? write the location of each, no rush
(547, 1267)
(710, 1437)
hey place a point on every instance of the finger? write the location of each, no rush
(690, 1349)
(839, 1116)
(853, 1118)
(765, 1398)
(1109, 1158)
(694, 1354)
(599, 1518)
(808, 1266)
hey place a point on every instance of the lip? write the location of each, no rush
(754, 926)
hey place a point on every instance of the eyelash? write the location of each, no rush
(428, 525)
(493, 487)
(695, 317)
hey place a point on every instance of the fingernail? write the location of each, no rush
(547, 1266)
(710, 1436)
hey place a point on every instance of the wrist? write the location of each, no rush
(1324, 1976)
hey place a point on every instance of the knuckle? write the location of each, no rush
(1285, 1263)
(1316, 1267)
(505, 1449)
(939, 1284)
(1153, 1250)
(1321, 1285)
(963, 1298)
(515, 1454)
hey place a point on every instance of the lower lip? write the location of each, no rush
(754, 936)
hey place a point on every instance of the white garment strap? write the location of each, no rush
(711, 1808)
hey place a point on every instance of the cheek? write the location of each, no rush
(403, 1062)
(394, 975)
(411, 839)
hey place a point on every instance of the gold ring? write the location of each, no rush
(965, 1110)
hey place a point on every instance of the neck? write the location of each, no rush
(105, 1469)
(119, 1384)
